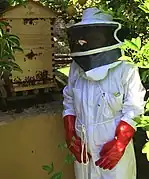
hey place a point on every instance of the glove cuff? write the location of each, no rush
(69, 122)
(124, 133)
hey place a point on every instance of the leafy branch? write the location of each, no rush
(136, 52)
(9, 44)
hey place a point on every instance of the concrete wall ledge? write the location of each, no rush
(30, 140)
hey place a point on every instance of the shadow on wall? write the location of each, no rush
(29, 143)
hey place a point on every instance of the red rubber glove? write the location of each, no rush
(72, 140)
(112, 151)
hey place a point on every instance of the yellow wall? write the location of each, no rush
(27, 144)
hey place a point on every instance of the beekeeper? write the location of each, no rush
(102, 98)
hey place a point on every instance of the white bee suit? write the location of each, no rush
(115, 93)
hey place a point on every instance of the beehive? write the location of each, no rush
(34, 26)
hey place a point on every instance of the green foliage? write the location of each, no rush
(60, 6)
(69, 159)
(144, 75)
(144, 5)
(131, 13)
(50, 170)
(57, 175)
(9, 44)
(15, 2)
(62, 146)
(136, 52)
(143, 120)
(145, 149)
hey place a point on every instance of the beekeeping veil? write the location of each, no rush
(94, 41)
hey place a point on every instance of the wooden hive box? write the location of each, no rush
(34, 26)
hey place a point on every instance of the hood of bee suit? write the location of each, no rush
(94, 42)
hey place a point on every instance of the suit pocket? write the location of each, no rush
(115, 101)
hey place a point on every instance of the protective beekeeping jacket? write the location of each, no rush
(99, 101)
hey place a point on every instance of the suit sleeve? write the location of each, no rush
(134, 94)
(68, 102)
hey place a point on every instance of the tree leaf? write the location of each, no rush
(145, 47)
(137, 119)
(13, 41)
(15, 67)
(75, 1)
(1, 32)
(131, 45)
(147, 133)
(147, 155)
(144, 7)
(3, 23)
(62, 146)
(48, 168)
(138, 42)
(145, 118)
(144, 76)
(146, 148)
(18, 49)
(69, 159)
(147, 105)
(57, 175)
